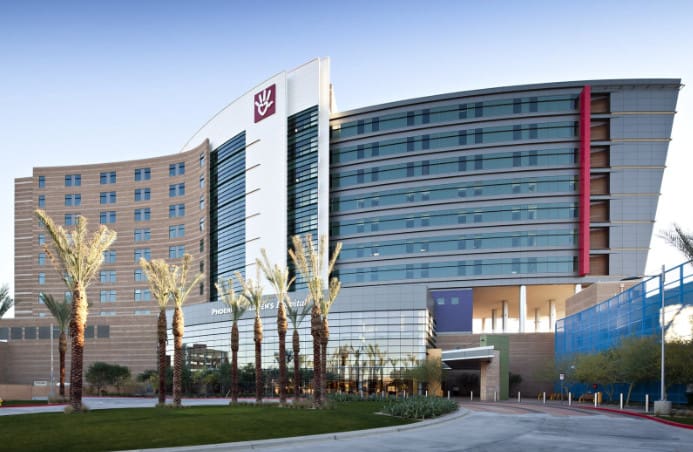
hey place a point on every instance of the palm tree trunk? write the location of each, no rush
(297, 364)
(62, 350)
(177, 356)
(324, 339)
(282, 326)
(258, 357)
(315, 330)
(161, 334)
(77, 324)
(234, 362)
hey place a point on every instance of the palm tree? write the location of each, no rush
(61, 313)
(252, 291)
(310, 264)
(296, 314)
(77, 259)
(278, 277)
(680, 239)
(179, 292)
(160, 278)
(326, 305)
(238, 306)
(6, 302)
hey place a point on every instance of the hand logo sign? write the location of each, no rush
(264, 103)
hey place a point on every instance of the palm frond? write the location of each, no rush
(160, 277)
(680, 239)
(235, 301)
(61, 311)
(181, 289)
(6, 302)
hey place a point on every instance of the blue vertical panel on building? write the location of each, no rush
(227, 210)
(302, 180)
(453, 310)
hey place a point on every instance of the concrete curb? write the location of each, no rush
(643, 416)
(307, 439)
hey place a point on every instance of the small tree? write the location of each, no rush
(61, 312)
(6, 302)
(77, 258)
(309, 262)
(638, 361)
(296, 314)
(179, 293)
(160, 278)
(238, 305)
(278, 277)
(102, 374)
(252, 292)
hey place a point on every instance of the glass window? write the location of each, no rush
(108, 296)
(142, 234)
(103, 331)
(109, 257)
(142, 214)
(143, 295)
(42, 259)
(108, 177)
(176, 210)
(107, 197)
(176, 231)
(202, 160)
(42, 239)
(42, 182)
(176, 190)
(107, 276)
(143, 174)
(42, 278)
(107, 217)
(143, 253)
(73, 180)
(143, 194)
(139, 275)
(176, 169)
(202, 181)
(176, 252)
(42, 201)
(70, 219)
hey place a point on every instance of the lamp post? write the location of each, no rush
(662, 406)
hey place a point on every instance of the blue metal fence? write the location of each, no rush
(634, 312)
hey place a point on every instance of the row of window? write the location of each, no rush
(141, 194)
(144, 214)
(494, 187)
(476, 267)
(484, 241)
(495, 214)
(455, 112)
(110, 177)
(455, 139)
(16, 333)
(111, 295)
(450, 166)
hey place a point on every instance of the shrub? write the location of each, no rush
(420, 407)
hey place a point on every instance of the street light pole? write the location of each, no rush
(661, 293)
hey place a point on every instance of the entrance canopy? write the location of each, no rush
(467, 358)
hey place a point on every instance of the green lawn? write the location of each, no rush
(143, 428)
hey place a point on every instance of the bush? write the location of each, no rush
(420, 407)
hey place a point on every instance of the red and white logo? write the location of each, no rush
(265, 104)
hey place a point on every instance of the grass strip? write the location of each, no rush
(141, 428)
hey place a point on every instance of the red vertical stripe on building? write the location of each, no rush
(584, 182)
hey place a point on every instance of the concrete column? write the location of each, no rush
(505, 316)
(536, 320)
(523, 307)
(489, 377)
(552, 315)
(493, 320)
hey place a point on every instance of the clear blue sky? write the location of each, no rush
(98, 81)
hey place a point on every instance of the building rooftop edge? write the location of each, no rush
(508, 89)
